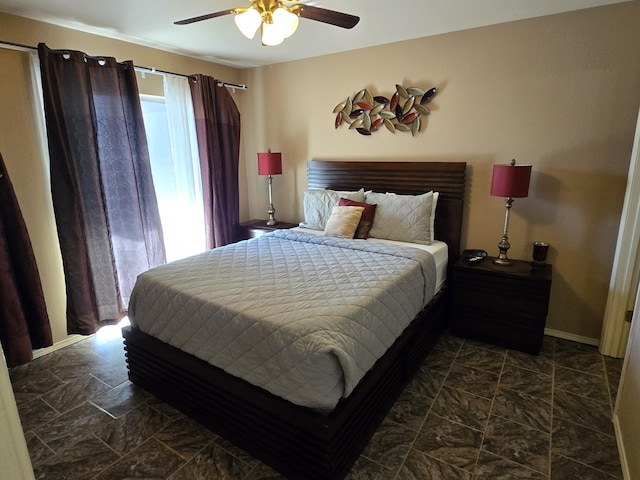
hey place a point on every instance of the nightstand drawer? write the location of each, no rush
(506, 306)
(520, 332)
(502, 294)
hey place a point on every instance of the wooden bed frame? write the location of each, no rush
(296, 441)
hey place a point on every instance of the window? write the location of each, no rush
(176, 178)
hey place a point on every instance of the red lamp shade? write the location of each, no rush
(270, 163)
(510, 181)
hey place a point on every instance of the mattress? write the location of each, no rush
(301, 316)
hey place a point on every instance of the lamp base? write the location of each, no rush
(503, 246)
(272, 219)
(503, 262)
(272, 211)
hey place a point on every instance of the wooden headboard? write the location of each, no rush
(408, 178)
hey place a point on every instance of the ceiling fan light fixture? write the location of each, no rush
(248, 22)
(276, 19)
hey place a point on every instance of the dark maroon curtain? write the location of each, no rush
(103, 196)
(24, 323)
(218, 131)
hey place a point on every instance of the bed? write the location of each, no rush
(318, 441)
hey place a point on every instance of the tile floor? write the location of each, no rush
(474, 412)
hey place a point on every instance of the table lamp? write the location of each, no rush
(509, 181)
(270, 164)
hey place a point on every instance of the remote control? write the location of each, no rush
(474, 253)
(473, 260)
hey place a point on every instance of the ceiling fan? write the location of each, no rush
(277, 19)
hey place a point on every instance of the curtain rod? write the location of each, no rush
(19, 46)
(156, 71)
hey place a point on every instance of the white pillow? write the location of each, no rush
(432, 221)
(318, 205)
(405, 218)
(343, 221)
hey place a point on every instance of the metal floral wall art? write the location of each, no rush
(366, 113)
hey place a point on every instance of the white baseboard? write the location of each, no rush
(58, 345)
(572, 337)
(621, 450)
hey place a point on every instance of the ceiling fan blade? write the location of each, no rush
(204, 17)
(331, 17)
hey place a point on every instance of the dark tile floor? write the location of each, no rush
(473, 412)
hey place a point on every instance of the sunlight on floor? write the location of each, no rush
(111, 332)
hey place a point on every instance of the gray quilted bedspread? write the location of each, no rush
(302, 316)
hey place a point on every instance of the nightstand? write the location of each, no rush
(255, 228)
(505, 306)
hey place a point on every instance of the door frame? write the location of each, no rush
(623, 285)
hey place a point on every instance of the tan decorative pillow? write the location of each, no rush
(343, 221)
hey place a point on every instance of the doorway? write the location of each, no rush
(623, 286)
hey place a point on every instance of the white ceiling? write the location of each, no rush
(150, 23)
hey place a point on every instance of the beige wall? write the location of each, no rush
(19, 142)
(559, 92)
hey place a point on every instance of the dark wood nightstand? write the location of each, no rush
(255, 228)
(505, 306)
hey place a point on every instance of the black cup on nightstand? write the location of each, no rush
(540, 251)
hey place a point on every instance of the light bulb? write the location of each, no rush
(248, 22)
(286, 21)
